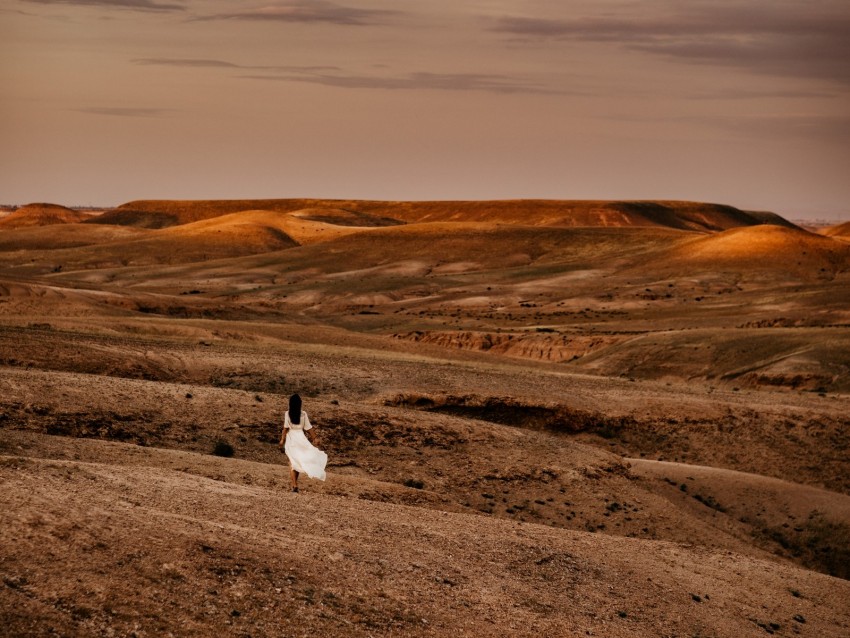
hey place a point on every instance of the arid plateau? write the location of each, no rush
(542, 418)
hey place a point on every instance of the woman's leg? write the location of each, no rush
(293, 479)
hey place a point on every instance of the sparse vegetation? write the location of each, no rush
(223, 448)
(709, 501)
(819, 543)
(495, 393)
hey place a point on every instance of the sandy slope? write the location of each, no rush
(301, 226)
(480, 481)
(766, 247)
(57, 237)
(116, 246)
(153, 551)
(511, 460)
(809, 523)
(42, 215)
(780, 434)
(773, 498)
(841, 231)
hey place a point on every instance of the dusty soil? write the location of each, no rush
(638, 429)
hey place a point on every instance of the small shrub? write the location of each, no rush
(414, 483)
(608, 432)
(709, 501)
(223, 448)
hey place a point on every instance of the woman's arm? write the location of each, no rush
(308, 427)
(283, 432)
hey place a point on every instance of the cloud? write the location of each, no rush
(825, 128)
(123, 111)
(138, 5)
(780, 38)
(747, 94)
(810, 56)
(415, 81)
(209, 64)
(336, 77)
(223, 64)
(306, 11)
(696, 20)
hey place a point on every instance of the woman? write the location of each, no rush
(303, 456)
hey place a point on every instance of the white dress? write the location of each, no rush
(303, 455)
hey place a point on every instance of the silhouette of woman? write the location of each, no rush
(302, 454)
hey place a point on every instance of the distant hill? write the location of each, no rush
(42, 215)
(841, 231)
(86, 246)
(566, 213)
(259, 230)
(342, 217)
(139, 218)
(228, 236)
(56, 237)
(584, 213)
(763, 248)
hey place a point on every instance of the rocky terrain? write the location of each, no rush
(559, 418)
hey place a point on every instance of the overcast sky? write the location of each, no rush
(744, 102)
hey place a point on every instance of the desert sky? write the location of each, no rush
(744, 102)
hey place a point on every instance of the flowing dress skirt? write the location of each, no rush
(304, 456)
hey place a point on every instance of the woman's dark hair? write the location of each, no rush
(295, 409)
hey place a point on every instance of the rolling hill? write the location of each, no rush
(42, 215)
(571, 213)
(506, 520)
(197, 555)
(61, 236)
(96, 246)
(841, 231)
(760, 248)
(542, 418)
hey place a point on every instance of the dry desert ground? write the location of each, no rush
(543, 418)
